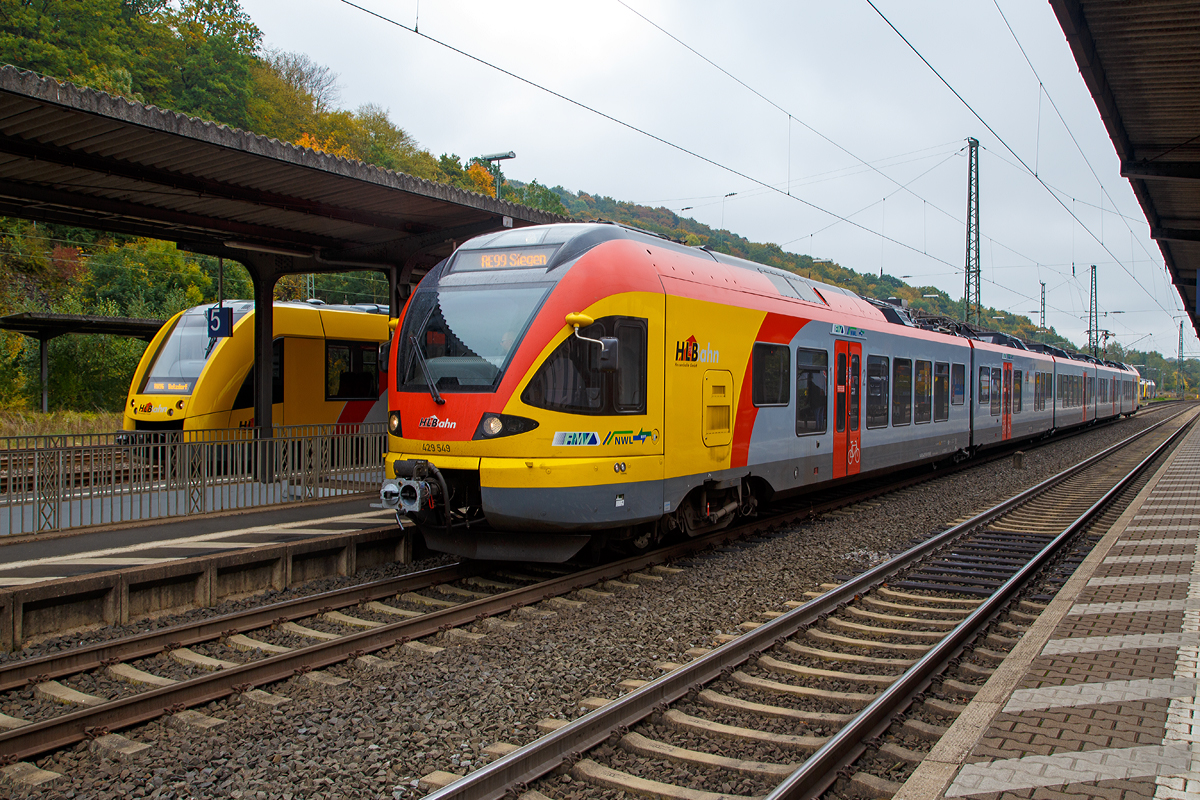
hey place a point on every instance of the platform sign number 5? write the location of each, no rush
(220, 322)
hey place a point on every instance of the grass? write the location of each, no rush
(58, 423)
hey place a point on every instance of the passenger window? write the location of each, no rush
(839, 403)
(996, 391)
(877, 391)
(570, 379)
(1016, 400)
(941, 392)
(631, 367)
(901, 391)
(855, 372)
(985, 385)
(923, 387)
(812, 385)
(351, 370)
(772, 374)
(958, 384)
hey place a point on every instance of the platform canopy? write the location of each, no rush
(50, 326)
(45, 327)
(81, 157)
(1140, 60)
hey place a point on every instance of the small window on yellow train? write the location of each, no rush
(351, 371)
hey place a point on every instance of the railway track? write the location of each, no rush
(782, 710)
(143, 677)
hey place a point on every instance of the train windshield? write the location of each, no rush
(460, 339)
(181, 357)
(185, 350)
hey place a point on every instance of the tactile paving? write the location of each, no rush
(1109, 706)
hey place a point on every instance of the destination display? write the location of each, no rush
(515, 258)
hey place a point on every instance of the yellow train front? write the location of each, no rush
(325, 369)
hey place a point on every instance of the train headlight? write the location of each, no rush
(394, 423)
(493, 425)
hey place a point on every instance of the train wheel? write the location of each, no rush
(636, 540)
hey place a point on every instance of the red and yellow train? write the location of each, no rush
(590, 383)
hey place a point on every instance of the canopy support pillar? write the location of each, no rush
(44, 352)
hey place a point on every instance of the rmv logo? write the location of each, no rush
(689, 352)
(434, 422)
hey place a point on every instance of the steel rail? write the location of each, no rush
(62, 731)
(56, 733)
(16, 674)
(565, 745)
(818, 772)
(54, 665)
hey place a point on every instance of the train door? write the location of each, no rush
(847, 408)
(1087, 395)
(1006, 402)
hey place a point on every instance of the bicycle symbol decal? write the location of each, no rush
(852, 453)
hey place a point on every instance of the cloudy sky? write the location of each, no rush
(831, 135)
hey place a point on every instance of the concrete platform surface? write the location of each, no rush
(29, 559)
(1099, 698)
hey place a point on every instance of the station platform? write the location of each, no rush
(35, 559)
(1099, 698)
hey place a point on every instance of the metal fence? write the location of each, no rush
(52, 483)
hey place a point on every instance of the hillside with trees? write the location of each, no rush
(206, 58)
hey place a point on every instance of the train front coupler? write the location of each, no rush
(417, 490)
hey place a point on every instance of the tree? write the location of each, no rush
(215, 46)
(534, 195)
(479, 179)
(304, 77)
(151, 278)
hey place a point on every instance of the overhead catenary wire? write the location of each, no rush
(1066, 126)
(925, 203)
(1002, 141)
(706, 159)
(906, 186)
(630, 126)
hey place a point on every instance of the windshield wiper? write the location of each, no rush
(433, 392)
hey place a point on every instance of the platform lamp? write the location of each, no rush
(492, 159)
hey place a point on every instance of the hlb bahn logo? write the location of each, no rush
(434, 422)
(689, 352)
(150, 408)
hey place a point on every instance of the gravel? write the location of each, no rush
(376, 736)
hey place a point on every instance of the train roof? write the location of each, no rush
(572, 240)
(241, 307)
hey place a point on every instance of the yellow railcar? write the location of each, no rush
(325, 369)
